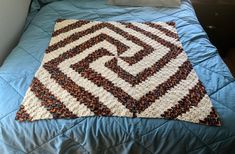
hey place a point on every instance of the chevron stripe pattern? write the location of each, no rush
(94, 68)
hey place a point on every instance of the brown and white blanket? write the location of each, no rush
(94, 68)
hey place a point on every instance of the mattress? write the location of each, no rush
(114, 134)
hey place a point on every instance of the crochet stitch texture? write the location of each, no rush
(94, 68)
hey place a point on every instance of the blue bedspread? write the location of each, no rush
(113, 134)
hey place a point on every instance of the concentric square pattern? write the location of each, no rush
(133, 69)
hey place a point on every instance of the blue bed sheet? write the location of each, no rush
(114, 134)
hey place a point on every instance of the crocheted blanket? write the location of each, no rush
(94, 68)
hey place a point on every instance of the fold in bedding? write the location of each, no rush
(114, 134)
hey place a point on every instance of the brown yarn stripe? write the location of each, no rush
(142, 76)
(60, 20)
(171, 24)
(78, 92)
(122, 73)
(69, 27)
(121, 48)
(147, 49)
(133, 105)
(112, 84)
(132, 60)
(117, 92)
(162, 89)
(97, 78)
(22, 115)
(162, 29)
(195, 95)
(154, 37)
(212, 119)
(80, 48)
(112, 65)
(49, 101)
(84, 64)
(74, 37)
(171, 46)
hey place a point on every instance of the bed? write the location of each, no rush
(114, 134)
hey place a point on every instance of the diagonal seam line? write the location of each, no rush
(177, 18)
(128, 140)
(217, 90)
(223, 105)
(28, 53)
(130, 136)
(229, 78)
(213, 143)
(16, 92)
(41, 29)
(122, 127)
(140, 136)
(12, 146)
(214, 54)
(60, 133)
(8, 114)
(60, 16)
(117, 145)
(11, 86)
(198, 138)
(131, 139)
(163, 124)
(143, 146)
(76, 142)
(167, 15)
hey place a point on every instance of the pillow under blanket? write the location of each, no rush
(164, 3)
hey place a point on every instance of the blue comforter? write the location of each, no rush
(114, 134)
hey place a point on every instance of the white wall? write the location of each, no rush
(12, 18)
